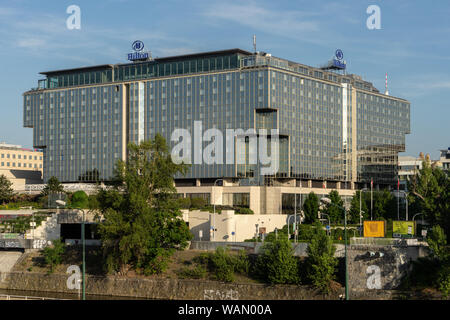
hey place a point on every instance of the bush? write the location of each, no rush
(338, 234)
(244, 211)
(198, 203)
(79, 200)
(222, 265)
(305, 232)
(321, 263)
(53, 254)
(198, 272)
(241, 263)
(184, 203)
(277, 264)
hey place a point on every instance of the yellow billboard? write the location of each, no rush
(403, 229)
(374, 229)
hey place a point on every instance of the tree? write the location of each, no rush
(354, 208)
(277, 263)
(429, 193)
(321, 263)
(384, 205)
(6, 191)
(311, 208)
(142, 224)
(335, 213)
(79, 200)
(53, 254)
(53, 186)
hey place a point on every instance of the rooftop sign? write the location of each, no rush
(138, 54)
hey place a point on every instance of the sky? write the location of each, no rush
(412, 45)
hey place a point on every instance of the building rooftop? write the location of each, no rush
(189, 64)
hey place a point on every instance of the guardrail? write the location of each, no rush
(14, 297)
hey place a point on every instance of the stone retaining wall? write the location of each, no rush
(174, 289)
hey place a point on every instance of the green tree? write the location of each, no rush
(429, 193)
(277, 263)
(53, 186)
(6, 191)
(311, 208)
(384, 205)
(437, 242)
(53, 254)
(321, 263)
(79, 200)
(335, 213)
(354, 208)
(142, 224)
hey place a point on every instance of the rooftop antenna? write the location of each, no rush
(254, 43)
(387, 91)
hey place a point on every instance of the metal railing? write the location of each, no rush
(14, 297)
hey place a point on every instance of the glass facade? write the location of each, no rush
(84, 118)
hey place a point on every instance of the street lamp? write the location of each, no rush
(325, 200)
(295, 224)
(63, 203)
(214, 214)
(328, 217)
(360, 217)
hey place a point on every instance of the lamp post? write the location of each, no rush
(295, 227)
(360, 211)
(63, 203)
(325, 200)
(328, 217)
(214, 214)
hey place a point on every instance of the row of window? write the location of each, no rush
(19, 156)
(19, 165)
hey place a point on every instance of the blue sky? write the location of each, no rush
(413, 46)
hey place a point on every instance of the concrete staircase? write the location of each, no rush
(48, 230)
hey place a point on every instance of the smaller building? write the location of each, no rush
(445, 159)
(409, 166)
(20, 165)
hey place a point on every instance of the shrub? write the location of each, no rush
(321, 263)
(338, 234)
(198, 272)
(244, 211)
(198, 203)
(277, 264)
(79, 200)
(241, 263)
(222, 265)
(305, 232)
(184, 203)
(53, 254)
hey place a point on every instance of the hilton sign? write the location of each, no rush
(137, 55)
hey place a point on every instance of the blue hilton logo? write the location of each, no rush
(137, 46)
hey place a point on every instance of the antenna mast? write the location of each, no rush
(387, 91)
(254, 43)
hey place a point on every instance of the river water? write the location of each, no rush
(57, 295)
